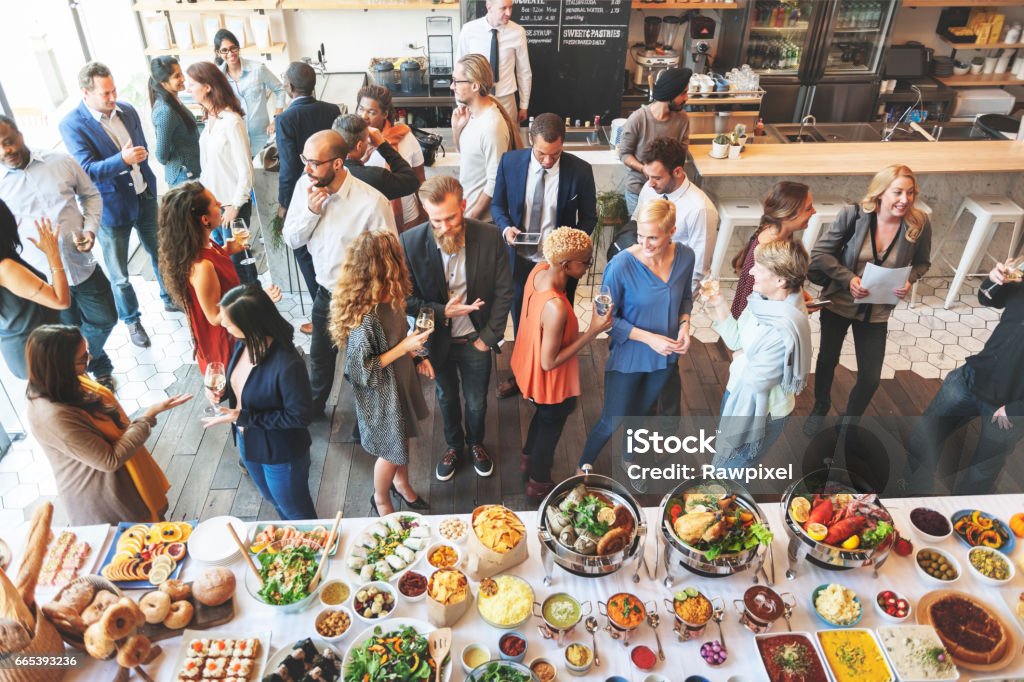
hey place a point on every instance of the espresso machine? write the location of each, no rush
(440, 54)
(658, 52)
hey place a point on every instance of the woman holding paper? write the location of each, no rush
(884, 231)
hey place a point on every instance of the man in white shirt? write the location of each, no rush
(503, 43)
(36, 184)
(482, 133)
(329, 207)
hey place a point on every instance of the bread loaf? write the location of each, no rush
(35, 552)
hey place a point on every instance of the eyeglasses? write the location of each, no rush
(228, 50)
(588, 262)
(313, 163)
(456, 82)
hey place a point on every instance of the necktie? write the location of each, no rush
(665, 197)
(494, 53)
(537, 203)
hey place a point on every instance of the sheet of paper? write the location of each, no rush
(881, 282)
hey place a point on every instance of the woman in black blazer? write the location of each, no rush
(269, 401)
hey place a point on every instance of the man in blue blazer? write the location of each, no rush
(105, 136)
(524, 202)
(293, 126)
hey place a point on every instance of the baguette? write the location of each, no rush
(35, 552)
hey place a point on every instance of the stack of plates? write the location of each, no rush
(942, 66)
(211, 541)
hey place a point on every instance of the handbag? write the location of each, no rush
(429, 143)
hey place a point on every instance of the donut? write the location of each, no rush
(78, 596)
(133, 651)
(117, 622)
(179, 616)
(97, 644)
(176, 589)
(65, 619)
(155, 605)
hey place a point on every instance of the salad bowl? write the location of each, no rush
(396, 647)
(286, 573)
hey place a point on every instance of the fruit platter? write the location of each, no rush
(145, 555)
(387, 548)
(976, 528)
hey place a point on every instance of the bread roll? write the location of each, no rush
(214, 587)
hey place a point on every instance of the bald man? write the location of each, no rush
(329, 207)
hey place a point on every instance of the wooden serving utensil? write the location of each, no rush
(245, 553)
(323, 556)
(439, 643)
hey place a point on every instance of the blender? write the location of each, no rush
(657, 53)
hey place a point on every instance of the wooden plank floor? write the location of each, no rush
(207, 481)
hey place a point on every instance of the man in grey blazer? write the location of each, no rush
(459, 269)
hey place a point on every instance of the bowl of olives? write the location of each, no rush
(937, 566)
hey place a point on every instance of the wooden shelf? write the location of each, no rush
(418, 5)
(207, 51)
(978, 46)
(963, 3)
(203, 5)
(683, 4)
(981, 80)
(799, 26)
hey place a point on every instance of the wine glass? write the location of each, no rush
(240, 233)
(216, 381)
(709, 288)
(603, 301)
(424, 322)
(1011, 273)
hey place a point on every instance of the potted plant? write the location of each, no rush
(737, 139)
(611, 210)
(720, 146)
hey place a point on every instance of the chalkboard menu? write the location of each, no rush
(577, 52)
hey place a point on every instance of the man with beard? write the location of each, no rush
(329, 207)
(36, 184)
(459, 269)
(664, 117)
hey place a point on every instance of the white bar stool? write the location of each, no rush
(732, 213)
(990, 212)
(920, 204)
(826, 210)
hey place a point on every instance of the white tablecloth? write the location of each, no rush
(682, 659)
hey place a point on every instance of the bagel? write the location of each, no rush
(64, 618)
(133, 651)
(155, 606)
(117, 622)
(97, 644)
(176, 589)
(140, 617)
(179, 616)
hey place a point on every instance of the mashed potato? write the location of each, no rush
(837, 604)
(510, 604)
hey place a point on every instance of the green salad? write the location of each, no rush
(397, 655)
(501, 672)
(286, 574)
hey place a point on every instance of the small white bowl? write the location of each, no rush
(950, 559)
(418, 598)
(655, 677)
(550, 662)
(885, 616)
(437, 545)
(457, 540)
(928, 537)
(323, 614)
(961, 70)
(325, 588)
(1011, 571)
(578, 670)
(382, 586)
(473, 647)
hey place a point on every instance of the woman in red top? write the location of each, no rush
(544, 360)
(196, 271)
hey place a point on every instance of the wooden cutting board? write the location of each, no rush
(203, 618)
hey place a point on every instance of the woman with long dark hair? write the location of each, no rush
(253, 82)
(368, 314)
(177, 135)
(224, 152)
(787, 208)
(26, 299)
(270, 402)
(98, 455)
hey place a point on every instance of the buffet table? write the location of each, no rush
(682, 659)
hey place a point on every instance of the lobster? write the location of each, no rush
(821, 511)
(843, 530)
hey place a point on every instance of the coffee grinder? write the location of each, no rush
(702, 29)
(658, 52)
(440, 54)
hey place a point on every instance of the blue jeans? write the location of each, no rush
(94, 311)
(470, 368)
(114, 243)
(285, 485)
(631, 201)
(625, 393)
(953, 407)
(748, 453)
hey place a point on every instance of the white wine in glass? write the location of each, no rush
(215, 381)
(240, 233)
(424, 322)
(603, 301)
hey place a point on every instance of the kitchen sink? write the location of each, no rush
(583, 138)
(873, 132)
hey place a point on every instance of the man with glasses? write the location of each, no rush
(303, 117)
(503, 43)
(536, 191)
(328, 208)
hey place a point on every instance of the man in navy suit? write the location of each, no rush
(293, 126)
(105, 136)
(537, 190)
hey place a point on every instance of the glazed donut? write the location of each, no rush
(176, 589)
(117, 622)
(65, 619)
(180, 615)
(78, 596)
(155, 606)
(97, 644)
(133, 651)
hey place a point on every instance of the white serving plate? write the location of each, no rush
(353, 576)
(924, 631)
(211, 542)
(259, 662)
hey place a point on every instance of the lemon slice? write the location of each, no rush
(800, 509)
(852, 542)
(817, 531)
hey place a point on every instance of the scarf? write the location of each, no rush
(145, 473)
(394, 133)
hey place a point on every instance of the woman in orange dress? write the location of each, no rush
(544, 360)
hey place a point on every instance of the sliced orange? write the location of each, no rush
(185, 529)
(800, 509)
(817, 531)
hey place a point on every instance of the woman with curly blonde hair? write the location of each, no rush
(544, 360)
(368, 313)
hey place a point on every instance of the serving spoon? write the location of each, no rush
(654, 620)
(439, 643)
(591, 625)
